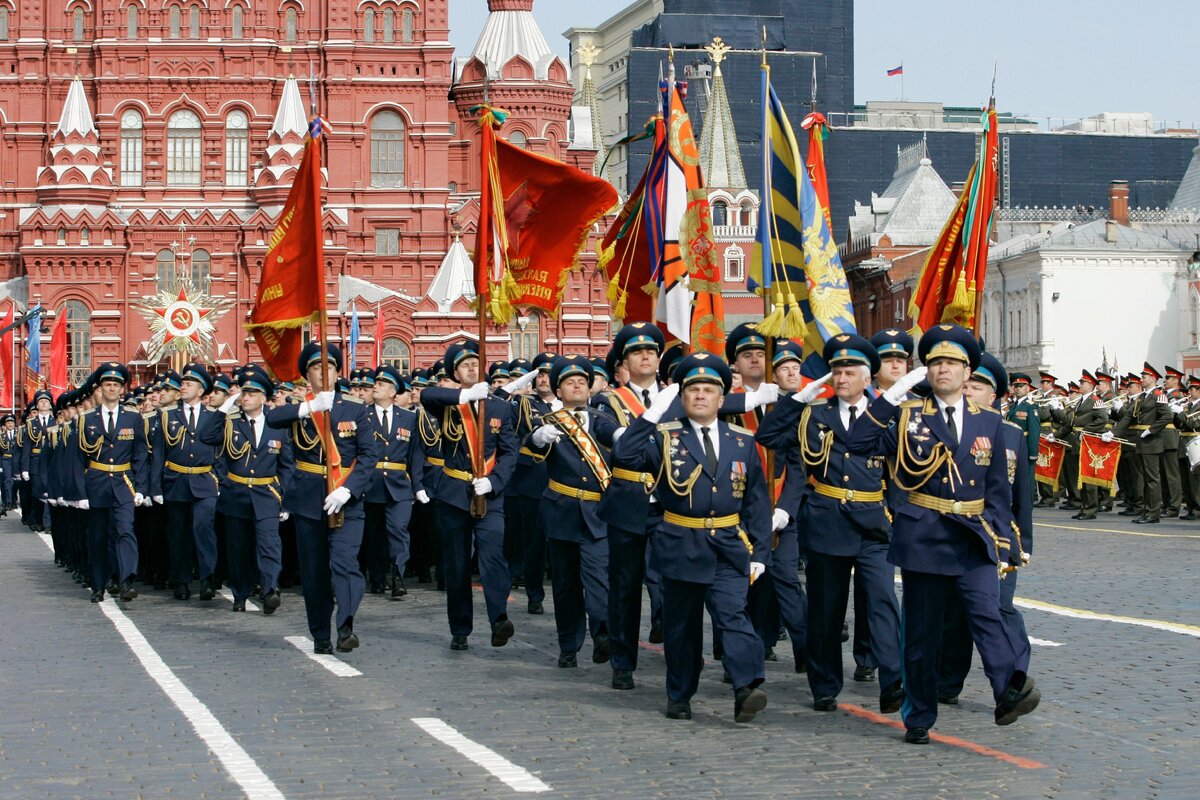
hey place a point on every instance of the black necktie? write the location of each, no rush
(191, 418)
(579, 418)
(385, 420)
(253, 432)
(646, 397)
(951, 424)
(109, 426)
(710, 453)
(853, 416)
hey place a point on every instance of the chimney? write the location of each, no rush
(1118, 202)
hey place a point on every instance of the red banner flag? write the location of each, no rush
(818, 132)
(1098, 461)
(58, 355)
(7, 356)
(291, 290)
(1049, 462)
(625, 251)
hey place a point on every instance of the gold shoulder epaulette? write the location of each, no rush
(351, 399)
(1014, 425)
(987, 408)
(89, 411)
(147, 415)
(171, 407)
(912, 403)
(739, 429)
(670, 426)
(233, 415)
(820, 401)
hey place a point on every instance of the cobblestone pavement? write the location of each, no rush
(82, 716)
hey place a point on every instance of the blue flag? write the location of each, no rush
(355, 334)
(33, 342)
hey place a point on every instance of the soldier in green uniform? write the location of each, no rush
(1188, 421)
(1172, 485)
(1146, 416)
(1089, 416)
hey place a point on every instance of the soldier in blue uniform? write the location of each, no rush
(328, 556)
(257, 464)
(1024, 413)
(8, 448)
(468, 474)
(949, 460)
(34, 449)
(183, 479)
(715, 535)
(399, 475)
(574, 442)
(845, 521)
(113, 461)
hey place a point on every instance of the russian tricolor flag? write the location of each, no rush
(896, 71)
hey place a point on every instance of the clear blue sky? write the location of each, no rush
(1058, 58)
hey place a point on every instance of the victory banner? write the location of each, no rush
(1098, 461)
(1051, 456)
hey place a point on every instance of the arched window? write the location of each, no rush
(525, 336)
(387, 150)
(747, 213)
(131, 148)
(237, 148)
(166, 270)
(720, 213)
(77, 23)
(369, 25)
(79, 341)
(395, 353)
(194, 22)
(389, 24)
(3, 24)
(518, 138)
(236, 19)
(201, 270)
(62, 236)
(85, 234)
(735, 264)
(176, 17)
(290, 25)
(131, 22)
(406, 26)
(183, 149)
(453, 187)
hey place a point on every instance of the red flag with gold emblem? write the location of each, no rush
(1049, 462)
(1098, 461)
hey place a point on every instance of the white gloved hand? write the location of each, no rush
(139, 499)
(902, 387)
(422, 496)
(477, 392)
(522, 382)
(764, 395)
(229, 403)
(779, 520)
(546, 435)
(283, 516)
(51, 501)
(158, 498)
(24, 476)
(336, 500)
(812, 390)
(1024, 559)
(482, 486)
(1177, 407)
(84, 505)
(146, 501)
(662, 402)
(322, 402)
(1050, 438)
(757, 568)
(1107, 436)
(1147, 434)
(1056, 403)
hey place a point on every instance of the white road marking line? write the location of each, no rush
(514, 777)
(334, 665)
(237, 762)
(228, 595)
(1044, 642)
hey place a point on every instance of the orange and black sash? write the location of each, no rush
(480, 466)
(583, 441)
(750, 422)
(333, 456)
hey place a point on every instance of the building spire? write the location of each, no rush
(290, 116)
(76, 114)
(589, 98)
(73, 171)
(720, 159)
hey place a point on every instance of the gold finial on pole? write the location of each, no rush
(588, 54)
(717, 51)
(764, 48)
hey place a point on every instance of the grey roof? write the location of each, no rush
(914, 207)
(513, 33)
(1094, 236)
(720, 158)
(1188, 193)
(454, 278)
(76, 114)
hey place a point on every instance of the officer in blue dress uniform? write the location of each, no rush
(8, 448)
(574, 443)
(184, 480)
(949, 459)
(34, 449)
(113, 462)
(845, 521)
(258, 462)
(328, 556)
(1024, 413)
(398, 479)
(715, 535)
(467, 475)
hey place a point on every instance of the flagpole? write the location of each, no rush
(764, 204)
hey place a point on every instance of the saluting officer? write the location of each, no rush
(471, 473)
(258, 462)
(845, 521)
(715, 534)
(942, 536)
(574, 443)
(113, 460)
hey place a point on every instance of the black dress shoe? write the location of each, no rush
(891, 698)
(206, 590)
(845, 632)
(568, 660)
(769, 655)
(1068, 507)
(502, 631)
(127, 591)
(917, 736)
(271, 602)
(1084, 517)
(1146, 521)
(458, 643)
(679, 710)
(601, 649)
(864, 674)
(747, 702)
(947, 699)
(535, 607)
(622, 679)
(113, 589)
(825, 703)
(1130, 512)
(239, 605)
(1077, 516)
(1191, 515)
(97, 596)
(347, 639)
(656, 635)
(398, 588)
(1017, 701)
(323, 647)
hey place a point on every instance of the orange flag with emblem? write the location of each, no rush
(1098, 461)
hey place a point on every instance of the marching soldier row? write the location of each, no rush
(710, 482)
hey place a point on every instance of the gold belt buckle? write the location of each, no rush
(708, 522)
(849, 496)
(956, 507)
(579, 494)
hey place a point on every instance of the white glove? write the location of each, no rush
(546, 435)
(146, 501)
(24, 476)
(477, 392)
(1146, 434)
(322, 402)
(764, 395)
(84, 505)
(902, 387)
(757, 568)
(52, 501)
(336, 499)
(517, 384)
(661, 403)
(283, 516)
(229, 403)
(139, 499)
(1050, 438)
(1107, 436)
(1056, 403)
(1177, 407)
(779, 520)
(422, 496)
(482, 486)
(158, 498)
(810, 392)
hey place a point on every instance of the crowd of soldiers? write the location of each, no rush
(703, 483)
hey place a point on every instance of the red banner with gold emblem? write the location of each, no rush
(1049, 462)
(1098, 461)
